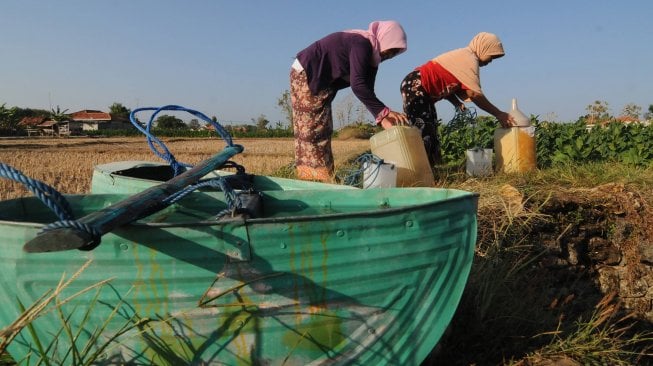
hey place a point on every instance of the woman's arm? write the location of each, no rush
(456, 102)
(482, 102)
(362, 78)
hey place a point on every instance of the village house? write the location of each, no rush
(626, 120)
(44, 126)
(92, 120)
(76, 124)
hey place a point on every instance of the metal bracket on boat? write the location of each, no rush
(233, 233)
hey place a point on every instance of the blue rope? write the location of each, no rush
(48, 195)
(158, 147)
(52, 199)
(353, 177)
(233, 201)
(60, 206)
(95, 233)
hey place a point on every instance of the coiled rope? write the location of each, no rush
(47, 194)
(354, 177)
(156, 144)
(160, 149)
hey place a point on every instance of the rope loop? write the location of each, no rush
(354, 177)
(158, 147)
(53, 200)
(231, 198)
(47, 194)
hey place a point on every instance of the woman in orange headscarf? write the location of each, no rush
(453, 76)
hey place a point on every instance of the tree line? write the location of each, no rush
(348, 111)
(599, 113)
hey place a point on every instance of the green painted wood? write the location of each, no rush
(363, 277)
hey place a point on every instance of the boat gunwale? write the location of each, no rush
(313, 217)
(294, 218)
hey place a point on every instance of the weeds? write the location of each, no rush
(514, 310)
(606, 338)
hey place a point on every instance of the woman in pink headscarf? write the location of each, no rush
(453, 76)
(342, 59)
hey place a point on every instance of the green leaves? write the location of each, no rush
(8, 117)
(466, 131)
(560, 142)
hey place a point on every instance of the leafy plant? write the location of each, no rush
(59, 115)
(465, 131)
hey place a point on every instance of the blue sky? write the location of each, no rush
(231, 58)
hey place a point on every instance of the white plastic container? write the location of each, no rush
(403, 146)
(379, 175)
(478, 162)
(520, 118)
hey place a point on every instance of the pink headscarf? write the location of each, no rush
(383, 35)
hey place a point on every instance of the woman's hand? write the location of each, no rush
(505, 119)
(394, 119)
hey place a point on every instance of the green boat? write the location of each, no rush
(317, 277)
(262, 271)
(136, 176)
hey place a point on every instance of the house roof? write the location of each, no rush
(49, 123)
(32, 121)
(90, 115)
(627, 119)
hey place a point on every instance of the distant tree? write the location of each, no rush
(362, 114)
(344, 111)
(550, 117)
(194, 124)
(170, 122)
(119, 111)
(8, 117)
(59, 115)
(261, 122)
(285, 103)
(649, 115)
(598, 112)
(631, 110)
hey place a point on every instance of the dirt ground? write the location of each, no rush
(605, 232)
(585, 245)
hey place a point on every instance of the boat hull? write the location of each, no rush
(363, 277)
(136, 176)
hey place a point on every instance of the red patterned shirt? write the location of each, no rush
(438, 82)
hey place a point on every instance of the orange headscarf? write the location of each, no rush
(463, 63)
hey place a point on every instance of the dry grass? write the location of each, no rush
(500, 317)
(67, 164)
